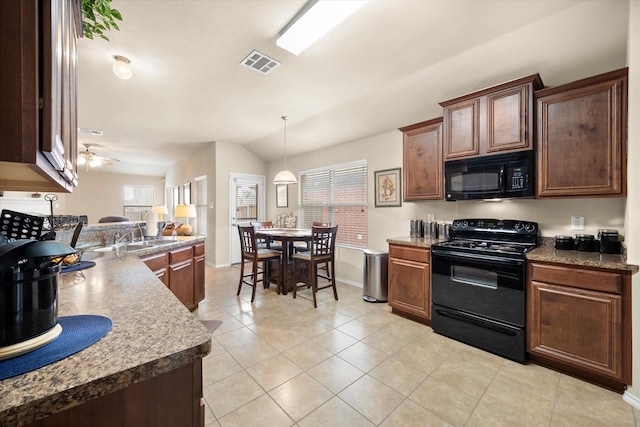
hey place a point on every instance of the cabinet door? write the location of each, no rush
(198, 278)
(462, 129)
(577, 327)
(181, 282)
(422, 162)
(582, 138)
(507, 119)
(58, 97)
(410, 287)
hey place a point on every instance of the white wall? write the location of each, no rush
(385, 152)
(102, 194)
(632, 227)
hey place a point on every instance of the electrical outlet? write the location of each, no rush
(577, 223)
(359, 236)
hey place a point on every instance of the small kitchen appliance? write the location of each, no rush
(489, 177)
(478, 284)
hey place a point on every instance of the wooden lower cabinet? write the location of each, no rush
(579, 321)
(409, 290)
(182, 271)
(167, 400)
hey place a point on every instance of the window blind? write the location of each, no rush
(336, 194)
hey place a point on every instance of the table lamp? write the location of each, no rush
(185, 211)
(160, 210)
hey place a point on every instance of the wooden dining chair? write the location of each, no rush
(322, 251)
(323, 269)
(259, 259)
(264, 243)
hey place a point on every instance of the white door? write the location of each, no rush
(247, 199)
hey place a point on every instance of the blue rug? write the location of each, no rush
(78, 333)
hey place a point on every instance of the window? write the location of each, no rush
(201, 205)
(337, 194)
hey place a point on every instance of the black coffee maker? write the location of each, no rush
(609, 241)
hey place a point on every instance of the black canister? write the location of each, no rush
(609, 241)
(564, 243)
(585, 242)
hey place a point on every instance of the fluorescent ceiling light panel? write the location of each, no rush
(314, 21)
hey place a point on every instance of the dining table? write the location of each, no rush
(287, 236)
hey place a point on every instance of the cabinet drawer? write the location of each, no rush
(198, 249)
(180, 255)
(156, 261)
(578, 278)
(409, 253)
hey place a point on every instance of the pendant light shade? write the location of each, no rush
(284, 176)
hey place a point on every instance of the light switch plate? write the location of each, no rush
(577, 223)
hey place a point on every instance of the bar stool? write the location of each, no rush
(322, 250)
(258, 259)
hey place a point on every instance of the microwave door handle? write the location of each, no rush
(501, 180)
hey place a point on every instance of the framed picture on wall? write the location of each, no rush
(282, 196)
(186, 189)
(388, 188)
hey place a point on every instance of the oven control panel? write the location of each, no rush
(499, 225)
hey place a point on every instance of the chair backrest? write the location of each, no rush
(248, 240)
(323, 241)
(262, 224)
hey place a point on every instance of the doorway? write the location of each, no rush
(247, 200)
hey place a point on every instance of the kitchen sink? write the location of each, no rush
(133, 246)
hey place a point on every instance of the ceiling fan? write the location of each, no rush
(91, 160)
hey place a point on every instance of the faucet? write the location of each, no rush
(118, 238)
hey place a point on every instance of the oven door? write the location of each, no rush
(490, 287)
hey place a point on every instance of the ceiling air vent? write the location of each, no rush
(260, 62)
(93, 132)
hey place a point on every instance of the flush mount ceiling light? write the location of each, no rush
(284, 176)
(122, 67)
(316, 19)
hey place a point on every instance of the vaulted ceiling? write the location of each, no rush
(386, 66)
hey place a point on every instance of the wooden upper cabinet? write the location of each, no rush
(490, 121)
(582, 137)
(422, 160)
(39, 97)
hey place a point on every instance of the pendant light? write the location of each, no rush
(284, 176)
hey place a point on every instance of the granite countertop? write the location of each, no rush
(153, 333)
(583, 259)
(168, 243)
(546, 253)
(421, 242)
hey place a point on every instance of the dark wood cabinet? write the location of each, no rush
(422, 161)
(582, 137)
(409, 290)
(182, 271)
(579, 321)
(198, 272)
(490, 121)
(170, 399)
(39, 97)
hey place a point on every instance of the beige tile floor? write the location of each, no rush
(280, 362)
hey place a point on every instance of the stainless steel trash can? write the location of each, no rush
(374, 284)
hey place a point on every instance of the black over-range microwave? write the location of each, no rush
(496, 176)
